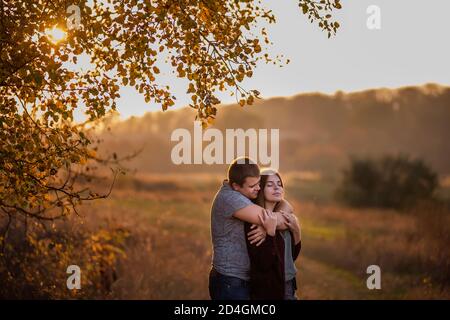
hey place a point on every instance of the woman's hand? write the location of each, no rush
(294, 226)
(269, 221)
(257, 235)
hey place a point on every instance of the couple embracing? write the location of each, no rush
(255, 235)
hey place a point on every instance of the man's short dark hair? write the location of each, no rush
(240, 169)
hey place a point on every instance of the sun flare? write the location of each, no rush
(55, 35)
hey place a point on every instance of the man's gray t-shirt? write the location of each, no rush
(230, 255)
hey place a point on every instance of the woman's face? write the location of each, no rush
(273, 190)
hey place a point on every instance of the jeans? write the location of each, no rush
(222, 287)
(289, 290)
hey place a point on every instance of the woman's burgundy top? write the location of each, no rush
(267, 279)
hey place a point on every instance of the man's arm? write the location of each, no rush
(281, 221)
(251, 214)
(283, 207)
(267, 219)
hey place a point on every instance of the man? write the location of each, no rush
(232, 205)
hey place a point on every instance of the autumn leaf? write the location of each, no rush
(213, 44)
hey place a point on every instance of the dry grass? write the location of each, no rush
(168, 251)
(346, 241)
(168, 256)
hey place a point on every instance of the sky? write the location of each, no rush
(412, 47)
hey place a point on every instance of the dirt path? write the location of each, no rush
(318, 280)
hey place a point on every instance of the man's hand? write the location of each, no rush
(285, 206)
(281, 220)
(293, 225)
(269, 221)
(257, 235)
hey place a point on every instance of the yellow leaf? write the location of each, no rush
(91, 153)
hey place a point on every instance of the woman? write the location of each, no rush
(272, 268)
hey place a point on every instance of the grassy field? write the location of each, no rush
(169, 250)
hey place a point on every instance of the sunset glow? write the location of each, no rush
(55, 34)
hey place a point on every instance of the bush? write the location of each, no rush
(387, 182)
(34, 258)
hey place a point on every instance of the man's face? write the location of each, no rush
(250, 187)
